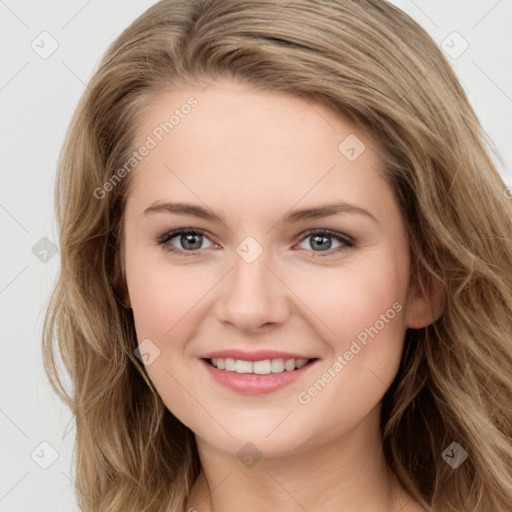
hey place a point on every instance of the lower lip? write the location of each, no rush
(253, 384)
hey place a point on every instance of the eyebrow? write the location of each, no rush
(290, 218)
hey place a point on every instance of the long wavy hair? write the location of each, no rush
(375, 66)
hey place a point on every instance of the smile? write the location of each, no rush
(263, 367)
(256, 377)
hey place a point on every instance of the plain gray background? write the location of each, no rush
(37, 98)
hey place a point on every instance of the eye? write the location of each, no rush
(190, 240)
(321, 241)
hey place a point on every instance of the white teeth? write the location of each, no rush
(289, 365)
(300, 363)
(263, 367)
(277, 365)
(243, 366)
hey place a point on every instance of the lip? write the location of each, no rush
(252, 384)
(257, 355)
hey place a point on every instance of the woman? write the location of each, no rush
(263, 367)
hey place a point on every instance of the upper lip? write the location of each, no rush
(257, 355)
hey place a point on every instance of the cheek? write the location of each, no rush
(165, 303)
(364, 301)
(163, 296)
(347, 301)
(364, 311)
(373, 316)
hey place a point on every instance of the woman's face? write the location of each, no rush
(263, 175)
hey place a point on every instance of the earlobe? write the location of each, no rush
(120, 285)
(422, 310)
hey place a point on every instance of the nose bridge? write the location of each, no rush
(252, 295)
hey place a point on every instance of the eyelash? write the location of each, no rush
(166, 237)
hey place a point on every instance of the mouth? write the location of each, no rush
(256, 372)
(262, 367)
(256, 377)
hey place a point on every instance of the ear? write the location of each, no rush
(120, 284)
(423, 310)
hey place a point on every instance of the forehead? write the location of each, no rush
(251, 147)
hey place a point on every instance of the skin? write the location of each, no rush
(250, 157)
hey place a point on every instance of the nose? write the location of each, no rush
(252, 297)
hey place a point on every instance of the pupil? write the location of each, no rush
(189, 238)
(324, 243)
